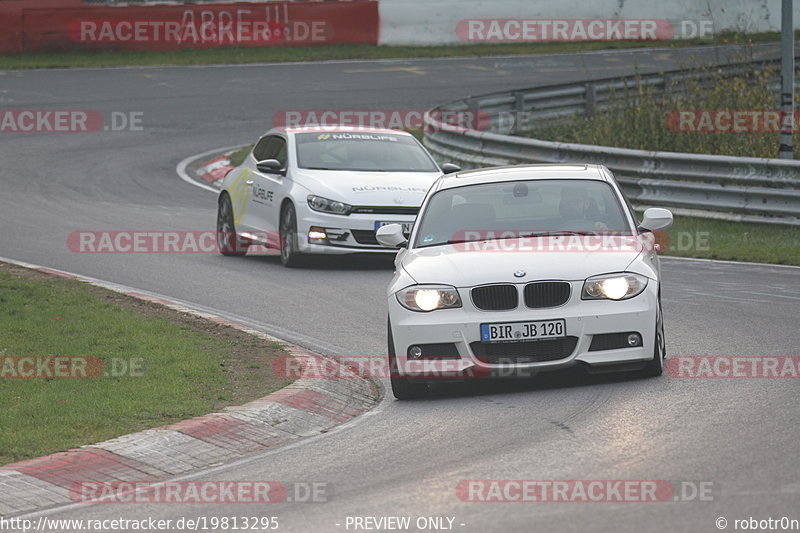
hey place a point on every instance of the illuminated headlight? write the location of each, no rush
(318, 203)
(429, 298)
(613, 287)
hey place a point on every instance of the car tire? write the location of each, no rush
(655, 367)
(228, 241)
(402, 388)
(290, 256)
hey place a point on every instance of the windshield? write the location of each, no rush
(362, 151)
(521, 208)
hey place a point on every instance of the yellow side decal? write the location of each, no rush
(238, 195)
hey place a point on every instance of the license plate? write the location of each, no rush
(523, 331)
(406, 226)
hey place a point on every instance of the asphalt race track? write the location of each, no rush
(406, 458)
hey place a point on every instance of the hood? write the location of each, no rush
(559, 258)
(368, 188)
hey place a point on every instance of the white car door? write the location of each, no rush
(262, 209)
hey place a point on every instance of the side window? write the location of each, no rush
(278, 150)
(271, 147)
(260, 150)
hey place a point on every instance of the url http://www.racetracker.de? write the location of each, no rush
(200, 523)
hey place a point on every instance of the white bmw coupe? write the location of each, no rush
(516, 270)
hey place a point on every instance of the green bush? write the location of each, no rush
(640, 117)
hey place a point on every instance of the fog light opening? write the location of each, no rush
(634, 339)
(317, 233)
(415, 352)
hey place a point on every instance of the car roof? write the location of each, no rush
(525, 173)
(335, 129)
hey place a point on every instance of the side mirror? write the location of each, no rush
(391, 236)
(656, 218)
(449, 168)
(269, 166)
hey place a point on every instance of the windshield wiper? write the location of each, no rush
(462, 241)
(506, 237)
(559, 233)
(445, 243)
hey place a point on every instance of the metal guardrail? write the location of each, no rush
(711, 186)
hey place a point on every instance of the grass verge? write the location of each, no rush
(163, 366)
(238, 157)
(734, 241)
(280, 54)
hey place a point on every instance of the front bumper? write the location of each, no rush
(584, 320)
(354, 233)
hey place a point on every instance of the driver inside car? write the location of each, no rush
(576, 205)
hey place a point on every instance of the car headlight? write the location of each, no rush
(613, 287)
(429, 298)
(318, 203)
